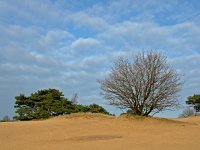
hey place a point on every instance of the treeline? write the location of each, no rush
(50, 102)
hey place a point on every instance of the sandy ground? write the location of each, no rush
(97, 132)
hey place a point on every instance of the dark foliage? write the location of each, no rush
(49, 102)
(195, 101)
(93, 108)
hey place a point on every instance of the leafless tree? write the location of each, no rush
(187, 113)
(6, 118)
(146, 86)
(74, 98)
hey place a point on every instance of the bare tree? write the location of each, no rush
(187, 113)
(74, 98)
(146, 86)
(6, 118)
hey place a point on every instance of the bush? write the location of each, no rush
(187, 113)
(93, 108)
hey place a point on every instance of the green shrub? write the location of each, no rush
(49, 102)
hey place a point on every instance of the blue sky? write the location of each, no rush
(69, 44)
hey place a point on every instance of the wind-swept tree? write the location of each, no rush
(146, 85)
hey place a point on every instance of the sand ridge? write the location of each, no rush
(101, 132)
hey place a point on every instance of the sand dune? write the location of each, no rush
(100, 132)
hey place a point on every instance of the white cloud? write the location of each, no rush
(95, 61)
(16, 34)
(54, 36)
(54, 40)
(146, 35)
(188, 67)
(91, 22)
(23, 69)
(82, 45)
(31, 12)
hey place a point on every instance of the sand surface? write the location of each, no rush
(97, 132)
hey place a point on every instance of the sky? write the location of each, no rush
(70, 44)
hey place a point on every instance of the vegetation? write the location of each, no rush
(49, 102)
(147, 85)
(195, 101)
(187, 113)
(6, 119)
(93, 108)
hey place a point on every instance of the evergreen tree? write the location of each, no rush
(42, 104)
(49, 102)
(195, 101)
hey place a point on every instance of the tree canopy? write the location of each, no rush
(146, 85)
(49, 102)
(42, 104)
(194, 100)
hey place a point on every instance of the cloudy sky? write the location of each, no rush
(69, 44)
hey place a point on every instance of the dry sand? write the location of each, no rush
(99, 132)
